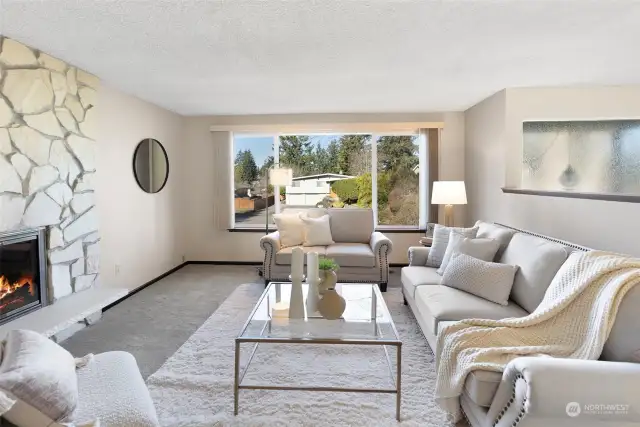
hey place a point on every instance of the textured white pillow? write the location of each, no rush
(317, 231)
(39, 373)
(441, 241)
(290, 228)
(484, 249)
(489, 280)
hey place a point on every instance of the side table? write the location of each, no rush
(426, 241)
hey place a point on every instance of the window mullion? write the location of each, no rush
(374, 178)
(423, 180)
(276, 164)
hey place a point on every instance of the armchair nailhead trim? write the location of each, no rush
(266, 266)
(384, 250)
(521, 414)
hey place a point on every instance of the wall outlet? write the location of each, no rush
(117, 269)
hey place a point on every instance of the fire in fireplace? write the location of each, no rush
(23, 286)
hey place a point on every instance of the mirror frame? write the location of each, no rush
(135, 172)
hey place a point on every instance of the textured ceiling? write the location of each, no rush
(301, 56)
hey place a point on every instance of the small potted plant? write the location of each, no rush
(328, 278)
(332, 305)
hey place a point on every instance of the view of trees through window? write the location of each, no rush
(329, 171)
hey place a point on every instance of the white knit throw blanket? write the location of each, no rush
(573, 321)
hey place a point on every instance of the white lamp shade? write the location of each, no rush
(449, 193)
(280, 176)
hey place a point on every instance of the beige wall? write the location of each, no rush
(494, 155)
(141, 233)
(485, 154)
(207, 168)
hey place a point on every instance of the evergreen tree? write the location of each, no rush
(397, 154)
(351, 148)
(296, 153)
(332, 157)
(245, 168)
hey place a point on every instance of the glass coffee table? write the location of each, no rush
(366, 321)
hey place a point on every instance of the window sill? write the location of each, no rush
(611, 197)
(386, 229)
(249, 230)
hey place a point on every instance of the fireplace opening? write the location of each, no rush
(23, 286)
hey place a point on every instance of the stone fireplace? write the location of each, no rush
(47, 165)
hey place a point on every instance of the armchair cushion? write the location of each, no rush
(283, 256)
(351, 225)
(290, 229)
(351, 254)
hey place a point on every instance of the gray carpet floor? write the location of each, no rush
(155, 322)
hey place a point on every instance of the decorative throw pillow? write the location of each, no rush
(484, 249)
(441, 241)
(489, 280)
(317, 231)
(291, 229)
(39, 375)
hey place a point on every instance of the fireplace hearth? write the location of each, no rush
(23, 273)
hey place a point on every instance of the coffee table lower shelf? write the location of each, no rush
(395, 376)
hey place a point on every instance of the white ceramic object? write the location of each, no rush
(296, 302)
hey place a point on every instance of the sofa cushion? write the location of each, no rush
(489, 280)
(484, 249)
(283, 257)
(481, 386)
(538, 260)
(351, 254)
(487, 230)
(351, 225)
(412, 277)
(440, 242)
(442, 303)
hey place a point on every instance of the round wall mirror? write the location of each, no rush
(150, 165)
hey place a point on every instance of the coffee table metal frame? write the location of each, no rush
(395, 375)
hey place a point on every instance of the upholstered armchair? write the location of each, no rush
(361, 252)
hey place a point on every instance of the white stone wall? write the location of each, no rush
(47, 160)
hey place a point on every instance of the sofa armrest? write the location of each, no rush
(537, 390)
(270, 244)
(380, 242)
(418, 255)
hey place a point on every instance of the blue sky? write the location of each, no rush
(261, 146)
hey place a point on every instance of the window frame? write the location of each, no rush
(423, 177)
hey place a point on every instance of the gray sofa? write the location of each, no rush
(532, 392)
(361, 252)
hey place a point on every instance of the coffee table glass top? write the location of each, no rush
(366, 317)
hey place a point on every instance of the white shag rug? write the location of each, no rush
(194, 387)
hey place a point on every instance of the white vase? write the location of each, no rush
(296, 302)
(313, 295)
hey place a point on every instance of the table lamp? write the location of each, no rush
(277, 177)
(448, 193)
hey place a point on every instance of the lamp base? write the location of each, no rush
(448, 216)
